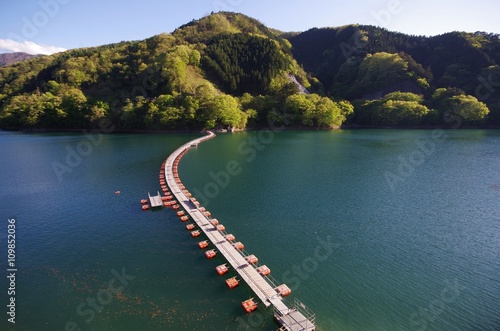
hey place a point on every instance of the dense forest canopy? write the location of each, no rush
(244, 63)
(227, 70)
(365, 63)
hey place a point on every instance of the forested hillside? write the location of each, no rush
(223, 71)
(365, 63)
(227, 70)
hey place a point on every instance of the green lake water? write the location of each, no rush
(372, 229)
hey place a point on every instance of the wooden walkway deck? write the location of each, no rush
(290, 318)
(155, 200)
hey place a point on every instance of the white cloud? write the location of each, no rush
(8, 45)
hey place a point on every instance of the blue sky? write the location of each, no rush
(46, 26)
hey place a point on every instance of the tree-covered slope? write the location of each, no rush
(209, 27)
(366, 62)
(227, 70)
(244, 63)
(204, 75)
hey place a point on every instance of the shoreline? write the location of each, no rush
(295, 128)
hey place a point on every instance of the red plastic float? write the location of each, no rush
(283, 290)
(263, 270)
(249, 305)
(210, 254)
(221, 269)
(239, 246)
(232, 282)
(203, 244)
(252, 259)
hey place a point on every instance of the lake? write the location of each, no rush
(372, 229)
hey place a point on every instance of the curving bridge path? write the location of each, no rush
(290, 318)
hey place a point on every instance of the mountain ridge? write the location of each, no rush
(14, 57)
(230, 70)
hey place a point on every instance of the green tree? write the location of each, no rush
(251, 117)
(301, 108)
(346, 108)
(396, 112)
(378, 71)
(171, 117)
(403, 96)
(194, 58)
(39, 109)
(76, 71)
(263, 105)
(190, 105)
(98, 112)
(205, 92)
(53, 86)
(14, 112)
(441, 98)
(224, 109)
(74, 104)
(394, 109)
(452, 100)
(329, 114)
(314, 110)
(174, 71)
(471, 110)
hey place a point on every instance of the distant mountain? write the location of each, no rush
(341, 58)
(450, 60)
(11, 58)
(228, 70)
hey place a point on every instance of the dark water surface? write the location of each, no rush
(372, 229)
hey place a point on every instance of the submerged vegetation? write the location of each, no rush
(227, 70)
